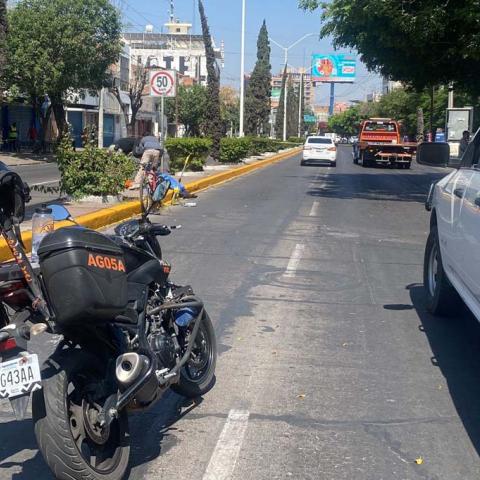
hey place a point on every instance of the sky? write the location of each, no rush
(286, 23)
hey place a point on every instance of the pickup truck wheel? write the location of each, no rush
(442, 298)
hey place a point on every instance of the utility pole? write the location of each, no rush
(242, 73)
(450, 95)
(100, 119)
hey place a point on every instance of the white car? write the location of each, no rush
(319, 150)
(452, 254)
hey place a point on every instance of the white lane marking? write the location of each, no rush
(314, 210)
(224, 457)
(294, 261)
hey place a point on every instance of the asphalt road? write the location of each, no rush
(329, 367)
(40, 177)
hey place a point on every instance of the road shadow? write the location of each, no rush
(152, 434)
(16, 437)
(455, 346)
(376, 185)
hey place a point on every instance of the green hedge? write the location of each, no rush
(180, 148)
(232, 150)
(298, 140)
(92, 171)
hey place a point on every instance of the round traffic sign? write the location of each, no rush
(162, 83)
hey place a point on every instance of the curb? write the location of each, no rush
(109, 216)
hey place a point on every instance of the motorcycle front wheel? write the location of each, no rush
(65, 414)
(197, 377)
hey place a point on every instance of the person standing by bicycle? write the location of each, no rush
(152, 151)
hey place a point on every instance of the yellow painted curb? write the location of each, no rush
(108, 216)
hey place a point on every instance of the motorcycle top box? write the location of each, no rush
(85, 276)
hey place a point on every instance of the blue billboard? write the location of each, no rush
(334, 68)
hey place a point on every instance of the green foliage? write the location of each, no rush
(236, 149)
(257, 98)
(213, 123)
(346, 123)
(192, 108)
(92, 171)
(297, 140)
(402, 105)
(55, 46)
(180, 148)
(233, 150)
(421, 43)
(292, 111)
(3, 36)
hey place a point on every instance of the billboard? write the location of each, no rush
(334, 68)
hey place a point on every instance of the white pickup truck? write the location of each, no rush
(452, 254)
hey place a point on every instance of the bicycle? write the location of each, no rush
(153, 188)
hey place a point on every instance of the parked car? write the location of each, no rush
(452, 253)
(319, 149)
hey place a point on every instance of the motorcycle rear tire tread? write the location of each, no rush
(53, 432)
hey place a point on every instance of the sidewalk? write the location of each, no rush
(13, 159)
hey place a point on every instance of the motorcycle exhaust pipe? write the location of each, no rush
(130, 367)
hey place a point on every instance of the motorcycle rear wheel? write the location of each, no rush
(198, 375)
(68, 434)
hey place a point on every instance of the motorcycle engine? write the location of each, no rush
(162, 344)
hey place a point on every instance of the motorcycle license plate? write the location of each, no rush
(19, 376)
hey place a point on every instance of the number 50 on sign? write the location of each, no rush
(162, 83)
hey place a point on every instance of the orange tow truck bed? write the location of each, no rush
(379, 143)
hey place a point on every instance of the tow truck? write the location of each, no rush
(379, 143)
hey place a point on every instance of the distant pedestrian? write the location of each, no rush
(464, 143)
(13, 138)
(151, 150)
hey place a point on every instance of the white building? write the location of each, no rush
(177, 49)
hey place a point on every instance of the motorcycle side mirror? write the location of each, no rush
(60, 213)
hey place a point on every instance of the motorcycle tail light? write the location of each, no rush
(8, 344)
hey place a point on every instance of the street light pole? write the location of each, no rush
(285, 94)
(242, 73)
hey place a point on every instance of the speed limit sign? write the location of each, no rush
(162, 83)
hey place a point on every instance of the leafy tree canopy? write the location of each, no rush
(192, 108)
(55, 46)
(419, 42)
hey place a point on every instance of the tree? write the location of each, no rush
(346, 123)
(136, 93)
(281, 106)
(3, 37)
(420, 43)
(292, 110)
(58, 46)
(213, 120)
(257, 98)
(192, 108)
(230, 109)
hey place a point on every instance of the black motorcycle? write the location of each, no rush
(128, 334)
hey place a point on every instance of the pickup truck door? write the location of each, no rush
(449, 207)
(469, 229)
